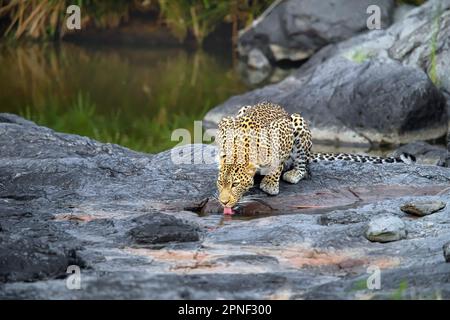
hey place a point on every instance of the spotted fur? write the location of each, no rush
(265, 139)
(321, 157)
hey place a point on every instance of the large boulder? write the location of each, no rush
(134, 224)
(295, 29)
(373, 102)
(420, 39)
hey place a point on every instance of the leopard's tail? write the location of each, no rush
(402, 158)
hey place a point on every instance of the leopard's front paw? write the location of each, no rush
(293, 176)
(269, 186)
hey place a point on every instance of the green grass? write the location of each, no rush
(82, 117)
(399, 294)
(359, 285)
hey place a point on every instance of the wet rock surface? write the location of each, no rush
(31, 248)
(69, 200)
(24, 259)
(161, 228)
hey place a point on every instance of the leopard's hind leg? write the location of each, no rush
(301, 150)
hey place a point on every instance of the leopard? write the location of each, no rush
(265, 139)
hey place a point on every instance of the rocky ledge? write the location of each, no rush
(141, 226)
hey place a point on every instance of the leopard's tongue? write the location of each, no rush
(228, 211)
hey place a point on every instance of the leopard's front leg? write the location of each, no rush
(271, 182)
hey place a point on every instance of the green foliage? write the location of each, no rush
(201, 17)
(399, 294)
(82, 117)
(359, 285)
(43, 19)
(196, 17)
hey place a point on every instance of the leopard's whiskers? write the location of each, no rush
(246, 200)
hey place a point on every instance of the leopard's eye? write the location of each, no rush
(235, 184)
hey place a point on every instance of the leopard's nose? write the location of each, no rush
(224, 198)
(223, 201)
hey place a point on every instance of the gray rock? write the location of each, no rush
(446, 249)
(446, 159)
(31, 248)
(402, 10)
(419, 40)
(386, 229)
(257, 60)
(424, 153)
(66, 199)
(254, 259)
(157, 228)
(257, 77)
(423, 208)
(27, 259)
(295, 29)
(338, 101)
(341, 217)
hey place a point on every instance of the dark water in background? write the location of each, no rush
(133, 97)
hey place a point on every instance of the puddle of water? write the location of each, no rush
(316, 202)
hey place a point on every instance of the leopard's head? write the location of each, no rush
(233, 181)
(236, 172)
